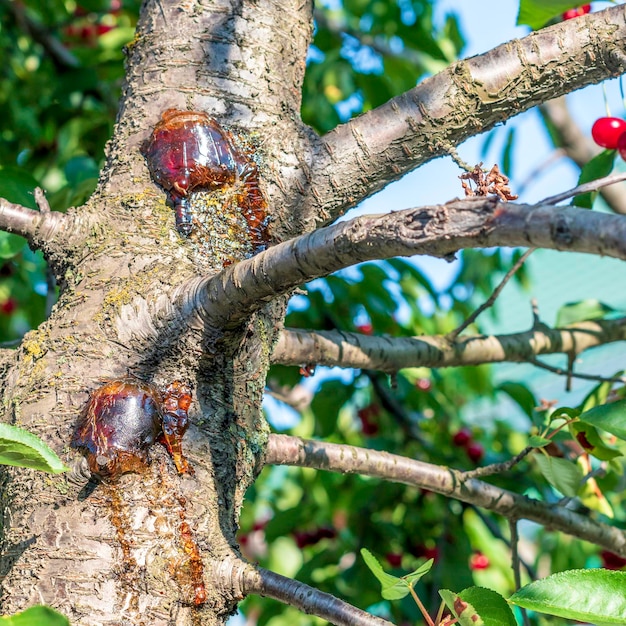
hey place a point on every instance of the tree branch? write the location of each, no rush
(286, 450)
(335, 348)
(308, 599)
(492, 298)
(33, 225)
(225, 300)
(360, 157)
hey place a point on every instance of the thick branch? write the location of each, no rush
(361, 157)
(286, 450)
(579, 147)
(228, 298)
(308, 599)
(389, 354)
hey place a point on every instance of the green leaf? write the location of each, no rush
(610, 417)
(461, 609)
(597, 396)
(10, 245)
(521, 395)
(563, 413)
(392, 587)
(415, 575)
(490, 606)
(536, 13)
(592, 595)
(599, 167)
(573, 312)
(35, 616)
(326, 404)
(536, 441)
(589, 438)
(595, 500)
(20, 448)
(560, 473)
(17, 185)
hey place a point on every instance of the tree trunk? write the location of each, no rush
(140, 549)
(155, 547)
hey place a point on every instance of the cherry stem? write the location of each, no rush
(561, 427)
(440, 613)
(421, 607)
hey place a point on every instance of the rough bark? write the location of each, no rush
(139, 549)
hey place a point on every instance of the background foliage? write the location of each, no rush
(59, 86)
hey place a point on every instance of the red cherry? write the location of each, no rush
(475, 452)
(102, 29)
(8, 306)
(479, 561)
(424, 384)
(610, 560)
(394, 559)
(606, 131)
(425, 552)
(462, 438)
(572, 13)
(621, 145)
(369, 429)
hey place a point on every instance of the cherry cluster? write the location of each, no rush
(463, 439)
(306, 538)
(87, 26)
(610, 132)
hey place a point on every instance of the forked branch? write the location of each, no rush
(287, 450)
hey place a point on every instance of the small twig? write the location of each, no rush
(534, 307)
(390, 403)
(492, 298)
(553, 157)
(515, 562)
(494, 529)
(420, 605)
(41, 200)
(571, 359)
(497, 468)
(454, 155)
(297, 397)
(594, 185)
(561, 372)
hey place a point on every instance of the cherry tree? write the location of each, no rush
(186, 277)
